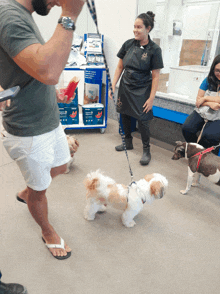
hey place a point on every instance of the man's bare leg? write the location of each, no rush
(37, 205)
(54, 172)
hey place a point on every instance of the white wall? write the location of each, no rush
(48, 24)
(115, 19)
(197, 22)
(146, 5)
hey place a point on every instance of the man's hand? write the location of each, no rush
(4, 103)
(71, 8)
(63, 99)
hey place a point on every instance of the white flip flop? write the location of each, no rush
(58, 246)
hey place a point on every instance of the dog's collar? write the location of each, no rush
(201, 154)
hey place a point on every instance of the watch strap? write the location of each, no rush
(72, 27)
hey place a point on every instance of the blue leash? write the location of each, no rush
(93, 13)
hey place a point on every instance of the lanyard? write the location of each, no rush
(93, 13)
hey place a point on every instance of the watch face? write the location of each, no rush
(68, 23)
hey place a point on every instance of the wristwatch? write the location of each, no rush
(67, 23)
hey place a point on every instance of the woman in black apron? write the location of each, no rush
(141, 61)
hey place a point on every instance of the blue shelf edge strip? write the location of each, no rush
(170, 115)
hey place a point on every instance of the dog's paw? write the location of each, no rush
(183, 192)
(129, 224)
(89, 217)
(102, 209)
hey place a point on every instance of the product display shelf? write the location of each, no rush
(81, 125)
(103, 98)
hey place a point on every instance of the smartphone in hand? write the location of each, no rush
(9, 93)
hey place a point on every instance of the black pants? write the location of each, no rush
(211, 133)
(143, 127)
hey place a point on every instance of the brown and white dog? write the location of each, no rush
(73, 146)
(209, 164)
(103, 191)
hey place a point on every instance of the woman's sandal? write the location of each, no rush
(58, 246)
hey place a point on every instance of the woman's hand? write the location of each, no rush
(214, 105)
(118, 72)
(200, 101)
(148, 105)
(61, 98)
(110, 92)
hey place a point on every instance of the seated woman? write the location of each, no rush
(207, 111)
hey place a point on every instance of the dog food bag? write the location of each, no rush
(73, 115)
(63, 113)
(70, 89)
(93, 114)
(75, 100)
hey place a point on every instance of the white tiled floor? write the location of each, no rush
(174, 248)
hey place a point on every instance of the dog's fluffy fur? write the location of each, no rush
(209, 165)
(103, 191)
(73, 146)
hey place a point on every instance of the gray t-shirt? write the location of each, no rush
(34, 110)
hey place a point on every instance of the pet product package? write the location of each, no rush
(73, 78)
(93, 114)
(72, 115)
(63, 113)
(69, 113)
(93, 86)
(93, 49)
(74, 92)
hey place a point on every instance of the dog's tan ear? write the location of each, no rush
(157, 189)
(148, 178)
(90, 184)
(77, 142)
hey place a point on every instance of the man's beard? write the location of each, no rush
(40, 7)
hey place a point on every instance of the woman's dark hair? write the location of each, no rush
(148, 19)
(212, 80)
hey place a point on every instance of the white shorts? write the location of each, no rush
(36, 155)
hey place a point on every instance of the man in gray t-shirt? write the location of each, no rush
(35, 110)
(33, 135)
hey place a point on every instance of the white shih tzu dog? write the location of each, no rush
(103, 191)
(73, 146)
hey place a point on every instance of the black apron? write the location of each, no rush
(135, 84)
